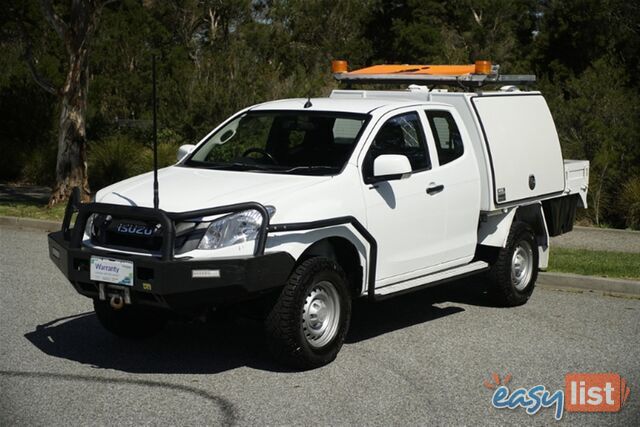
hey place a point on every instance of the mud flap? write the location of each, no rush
(560, 213)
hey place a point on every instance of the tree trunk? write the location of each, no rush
(76, 32)
(71, 164)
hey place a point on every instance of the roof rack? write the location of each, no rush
(466, 76)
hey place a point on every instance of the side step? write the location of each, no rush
(430, 280)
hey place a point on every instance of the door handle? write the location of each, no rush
(435, 189)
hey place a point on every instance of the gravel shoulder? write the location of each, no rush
(599, 239)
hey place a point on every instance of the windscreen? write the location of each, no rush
(298, 142)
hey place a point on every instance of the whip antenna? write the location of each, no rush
(156, 198)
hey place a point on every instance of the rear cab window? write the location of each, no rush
(446, 135)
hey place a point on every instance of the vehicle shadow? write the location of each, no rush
(200, 348)
(185, 348)
(371, 320)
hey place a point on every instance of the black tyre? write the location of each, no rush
(514, 273)
(307, 325)
(130, 321)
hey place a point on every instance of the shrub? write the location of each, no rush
(168, 144)
(630, 202)
(40, 165)
(114, 159)
(26, 122)
(167, 153)
(12, 161)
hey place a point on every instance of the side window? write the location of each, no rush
(401, 134)
(447, 137)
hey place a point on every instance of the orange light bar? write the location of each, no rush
(470, 76)
(480, 67)
(339, 66)
(439, 70)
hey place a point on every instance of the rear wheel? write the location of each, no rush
(515, 271)
(130, 321)
(307, 326)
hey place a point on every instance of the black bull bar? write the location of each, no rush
(167, 220)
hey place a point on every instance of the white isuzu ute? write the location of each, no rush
(306, 204)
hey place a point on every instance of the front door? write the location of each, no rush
(405, 216)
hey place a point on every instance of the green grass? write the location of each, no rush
(595, 263)
(32, 210)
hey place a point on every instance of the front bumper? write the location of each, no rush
(167, 281)
(170, 283)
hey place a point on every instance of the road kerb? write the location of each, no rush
(591, 283)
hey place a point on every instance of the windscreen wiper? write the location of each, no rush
(244, 166)
(310, 168)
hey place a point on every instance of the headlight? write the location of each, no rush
(233, 229)
(95, 223)
(88, 229)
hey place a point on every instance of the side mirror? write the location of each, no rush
(184, 150)
(388, 167)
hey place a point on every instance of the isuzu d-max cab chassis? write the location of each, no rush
(315, 202)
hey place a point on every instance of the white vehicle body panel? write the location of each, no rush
(521, 147)
(576, 176)
(186, 189)
(399, 212)
(494, 230)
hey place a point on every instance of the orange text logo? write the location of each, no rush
(595, 392)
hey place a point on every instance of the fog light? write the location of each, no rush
(205, 274)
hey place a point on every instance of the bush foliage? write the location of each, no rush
(630, 202)
(114, 159)
(119, 157)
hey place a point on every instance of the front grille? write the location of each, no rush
(153, 243)
(138, 235)
(123, 233)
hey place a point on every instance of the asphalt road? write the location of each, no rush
(418, 359)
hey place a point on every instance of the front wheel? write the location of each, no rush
(515, 271)
(307, 325)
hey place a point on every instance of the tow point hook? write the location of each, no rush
(116, 302)
(118, 296)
